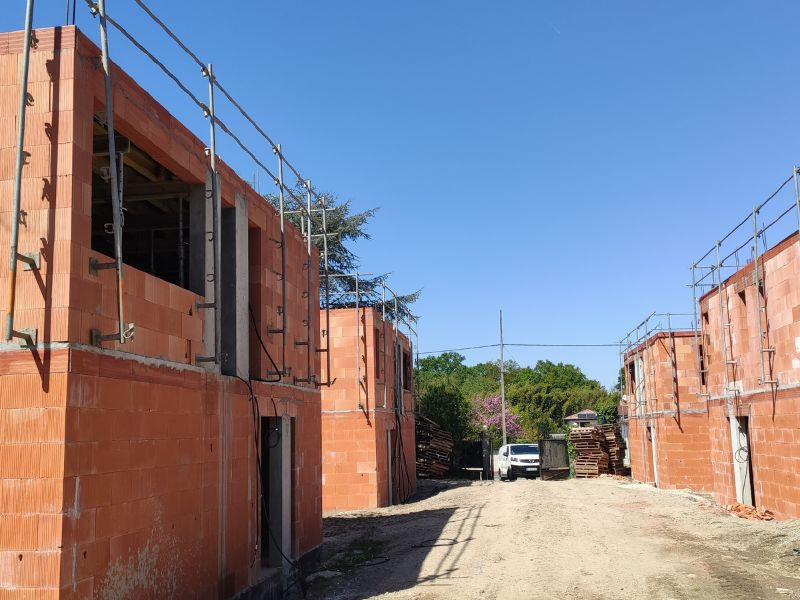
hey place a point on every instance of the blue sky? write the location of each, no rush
(565, 161)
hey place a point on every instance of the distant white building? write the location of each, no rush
(585, 418)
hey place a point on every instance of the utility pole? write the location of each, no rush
(502, 382)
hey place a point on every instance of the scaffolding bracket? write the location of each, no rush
(31, 260)
(205, 359)
(205, 304)
(27, 337)
(95, 266)
(97, 338)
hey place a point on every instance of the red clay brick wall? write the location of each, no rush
(774, 416)
(781, 274)
(49, 190)
(640, 451)
(677, 415)
(112, 483)
(167, 323)
(109, 461)
(354, 441)
(32, 465)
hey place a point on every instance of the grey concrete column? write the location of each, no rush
(279, 489)
(235, 290)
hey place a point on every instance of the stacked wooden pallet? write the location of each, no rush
(590, 444)
(616, 448)
(434, 449)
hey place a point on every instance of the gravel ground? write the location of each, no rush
(596, 538)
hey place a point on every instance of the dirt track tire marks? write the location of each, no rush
(574, 539)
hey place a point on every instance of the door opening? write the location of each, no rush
(276, 510)
(742, 463)
(389, 470)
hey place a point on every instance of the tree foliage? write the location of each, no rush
(487, 415)
(344, 228)
(444, 404)
(538, 397)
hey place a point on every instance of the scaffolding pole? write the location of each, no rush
(28, 336)
(282, 307)
(383, 335)
(309, 313)
(123, 333)
(327, 348)
(216, 219)
(360, 406)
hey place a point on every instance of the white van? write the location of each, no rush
(518, 460)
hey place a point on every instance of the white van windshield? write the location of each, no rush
(525, 449)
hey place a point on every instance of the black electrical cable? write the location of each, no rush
(264, 506)
(614, 345)
(264, 348)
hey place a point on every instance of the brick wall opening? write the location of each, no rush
(406, 371)
(156, 210)
(276, 466)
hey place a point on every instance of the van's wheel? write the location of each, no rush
(499, 475)
(510, 475)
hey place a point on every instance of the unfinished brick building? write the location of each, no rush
(717, 408)
(667, 420)
(133, 469)
(368, 440)
(750, 350)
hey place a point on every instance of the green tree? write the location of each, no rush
(344, 227)
(549, 392)
(445, 404)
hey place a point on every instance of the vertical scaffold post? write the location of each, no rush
(310, 312)
(383, 335)
(797, 195)
(722, 326)
(400, 366)
(358, 345)
(216, 220)
(31, 260)
(327, 348)
(696, 327)
(282, 307)
(123, 333)
(757, 286)
(674, 361)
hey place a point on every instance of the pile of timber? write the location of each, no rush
(434, 449)
(615, 444)
(590, 444)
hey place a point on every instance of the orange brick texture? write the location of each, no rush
(774, 413)
(110, 458)
(356, 418)
(672, 409)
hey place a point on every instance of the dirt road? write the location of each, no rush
(599, 538)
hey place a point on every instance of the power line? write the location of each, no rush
(614, 345)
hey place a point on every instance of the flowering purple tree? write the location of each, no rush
(487, 412)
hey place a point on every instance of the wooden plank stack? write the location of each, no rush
(434, 449)
(592, 459)
(616, 448)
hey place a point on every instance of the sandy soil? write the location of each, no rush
(599, 538)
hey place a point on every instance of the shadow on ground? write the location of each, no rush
(367, 553)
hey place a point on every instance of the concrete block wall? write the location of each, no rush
(677, 416)
(355, 422)
(127, 471)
